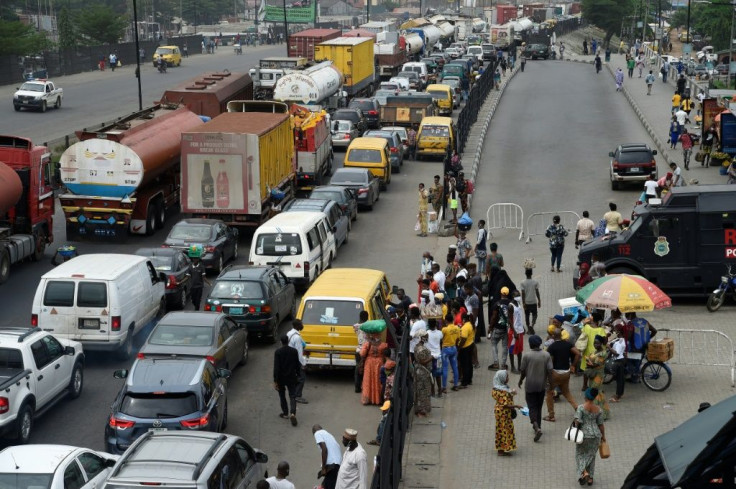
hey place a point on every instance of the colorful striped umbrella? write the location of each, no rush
(628, 293)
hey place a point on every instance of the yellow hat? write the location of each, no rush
(386, 406)
(551, 329)
(504, 291)
(565, 335)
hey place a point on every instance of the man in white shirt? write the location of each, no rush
(434, 343)
(417, 323)
(584, 229)
(676, 175)
(439, 275)
(681, 117)
(331, 456)
(353, 473)
(650, 187)
(279, 481)
(297, 343)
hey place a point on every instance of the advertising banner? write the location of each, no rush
(218, 174)
(710, 110)
(297, 12)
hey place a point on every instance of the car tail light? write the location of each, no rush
(34, 320)
(306, 269)
(362, 191)
(346, 136)
(4, 405)
(394, 150)
(615, 165)
(209, 249)
(207, 307)
(116, 322)
(210, 359)
(372, 112)
(171, 282)
(218, 308)
(165, 246)
(120, 424)
(140, 356)
(196, 423)
(265, 309)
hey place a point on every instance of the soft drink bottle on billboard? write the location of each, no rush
(208, 186)
(223, 190)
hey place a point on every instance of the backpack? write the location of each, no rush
(640, 337)
(503, 316)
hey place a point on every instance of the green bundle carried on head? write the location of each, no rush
(373, 327)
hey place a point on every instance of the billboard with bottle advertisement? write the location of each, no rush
(297, 12)
(220, 173)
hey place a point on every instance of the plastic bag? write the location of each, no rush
(418, 225)
(373, 327)
(465, 219)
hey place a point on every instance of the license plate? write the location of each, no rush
(90, 324)
(236, 310)
(25, 101)
(158, 429)
(334, 335)
(635, 170)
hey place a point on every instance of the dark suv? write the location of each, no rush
(371, 109)
(631, 163)
(164, 395)
(257, 297)
(354, 115)
(534, 51)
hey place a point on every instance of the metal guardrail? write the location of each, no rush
(702, 347)
(536, 226)
(478, 93)
(505, 215)
(388, 471)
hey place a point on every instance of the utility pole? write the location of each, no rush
(137, 55)
(644, 24)
(286, 27)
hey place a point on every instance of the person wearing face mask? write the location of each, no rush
(353, 473)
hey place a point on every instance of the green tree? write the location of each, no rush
(67, 31)
(607, 14)
(18, 38)
(713, 21)
(100, 24)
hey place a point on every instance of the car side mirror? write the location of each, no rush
(334, 229)
(69, 350)
(610, 154)
(109, 463)
(654, 152)
(224, 373)
(162, 277)
(261, 457)
(120, 374)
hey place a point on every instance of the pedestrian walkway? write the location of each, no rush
(655, 114)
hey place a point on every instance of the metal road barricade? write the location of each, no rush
(505, 215)
(537, 223)
(702, 347)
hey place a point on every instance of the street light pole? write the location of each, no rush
(286, 25)
(137, 55)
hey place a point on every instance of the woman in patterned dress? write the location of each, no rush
(372, 355)
(504, 397)
(595, 363)
(589, 418)
(422, 380)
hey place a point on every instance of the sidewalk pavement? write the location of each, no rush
(654, 112)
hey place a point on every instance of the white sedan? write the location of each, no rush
(54, 467)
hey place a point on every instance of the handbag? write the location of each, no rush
(604, 450)
(573, 433)
(582, 342)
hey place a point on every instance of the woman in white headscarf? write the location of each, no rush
(504, 397)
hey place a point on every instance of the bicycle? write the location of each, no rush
(657, 376)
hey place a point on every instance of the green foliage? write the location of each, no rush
(67, 31)
(18, 38)
(713, 21)
(607, 14)
(99, 24)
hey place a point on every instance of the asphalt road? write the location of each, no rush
(98, 96)
(546, 150)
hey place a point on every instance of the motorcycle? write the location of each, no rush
(727, 286)
(238, 49)
(162, 67)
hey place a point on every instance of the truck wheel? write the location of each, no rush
(24, 424)
(17, 108)
(150, 220)
(43, 106)
(220, 265)
(57, 105)
(160, 214)
(77, 381)
(4, 266)
(40, 246)
(126, 349)
(182, 299)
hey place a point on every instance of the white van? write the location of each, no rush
(419, 68)
(101, 300)
(476, 51)
(300, 243)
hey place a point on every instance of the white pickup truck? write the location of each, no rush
(38, 94)
(36, 371)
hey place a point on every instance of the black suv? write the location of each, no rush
(353, 115)
(631, 163)
(371, 109)
(534, 51)
(257, 297)
(164, 394)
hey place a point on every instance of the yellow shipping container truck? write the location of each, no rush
(353, 56)
(240, 164)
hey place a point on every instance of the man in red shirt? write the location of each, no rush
(687, 147)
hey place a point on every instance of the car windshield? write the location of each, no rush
(350, 177)
(410, 75)
(438, 94)
(179, 335)
(237, 289)
(436, 131)
(25, 481)
(278, 244)
(634, 157)
(191, 232)
(364, 155)
(328, 194)
(342, 126)
(164, 51)
(32, 87)
(347, 115)
(362, 104)
(161, 263)
(332, 312)
(166, 405)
